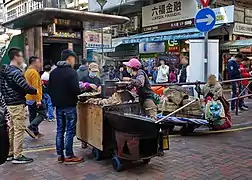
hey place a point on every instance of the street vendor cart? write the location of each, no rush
(117, 130)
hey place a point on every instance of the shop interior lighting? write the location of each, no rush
(187, 42)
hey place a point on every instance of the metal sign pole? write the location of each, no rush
(102, 4)
(206, 56)
(205, 20)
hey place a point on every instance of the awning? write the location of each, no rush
(190, 33)
(237, 44)
(38, 17)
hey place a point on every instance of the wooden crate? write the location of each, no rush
(90, 124)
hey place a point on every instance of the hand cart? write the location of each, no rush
(119, 131)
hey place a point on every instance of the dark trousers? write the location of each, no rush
(250, 89)
(36, 116)
(236, 86)
(66, 124)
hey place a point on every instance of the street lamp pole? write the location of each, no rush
(102, 4)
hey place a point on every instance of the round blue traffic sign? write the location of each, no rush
(205, 20)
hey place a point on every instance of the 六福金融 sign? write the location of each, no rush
(169, 14)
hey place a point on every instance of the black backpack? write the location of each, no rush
(4, 137)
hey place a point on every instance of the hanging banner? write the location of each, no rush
(93, 40)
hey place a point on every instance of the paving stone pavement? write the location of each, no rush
(225, 156)
(210, 157)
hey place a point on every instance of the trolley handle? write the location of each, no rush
(179, 109)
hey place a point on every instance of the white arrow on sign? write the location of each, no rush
(207, 20)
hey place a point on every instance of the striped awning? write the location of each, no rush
(189, 33)
(237, 44)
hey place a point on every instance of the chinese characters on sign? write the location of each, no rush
(73, 35)
(172, 13)
(173, 25)
(164, 10)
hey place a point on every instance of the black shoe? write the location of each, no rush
(160, 153)
(22, 160)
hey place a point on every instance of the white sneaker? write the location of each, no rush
(244, 108)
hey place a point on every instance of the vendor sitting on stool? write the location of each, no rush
(148, 100)
(92, 83)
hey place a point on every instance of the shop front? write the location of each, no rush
(241, 43)
(169, 32)
(170, 51)
(49, 30)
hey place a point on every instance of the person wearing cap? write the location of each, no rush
(147, 98)
(92, 82)
(141, 82)
(64, 88)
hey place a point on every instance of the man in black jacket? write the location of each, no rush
(64, 89)
(14, 88)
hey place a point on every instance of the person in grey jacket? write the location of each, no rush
(83, 69)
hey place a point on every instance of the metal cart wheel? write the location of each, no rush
(97, 154)
(116, 163)
(146, 161)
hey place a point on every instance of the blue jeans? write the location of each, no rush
(66, 123)
(234, 95)
(49, 107)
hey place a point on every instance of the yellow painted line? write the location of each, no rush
(39, 150)
(171, 136)
(228, 130)
(45, 149)
(215, 132)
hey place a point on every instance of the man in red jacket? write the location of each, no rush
(244, 74)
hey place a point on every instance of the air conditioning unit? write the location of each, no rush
(114, 31)
(136, 22)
